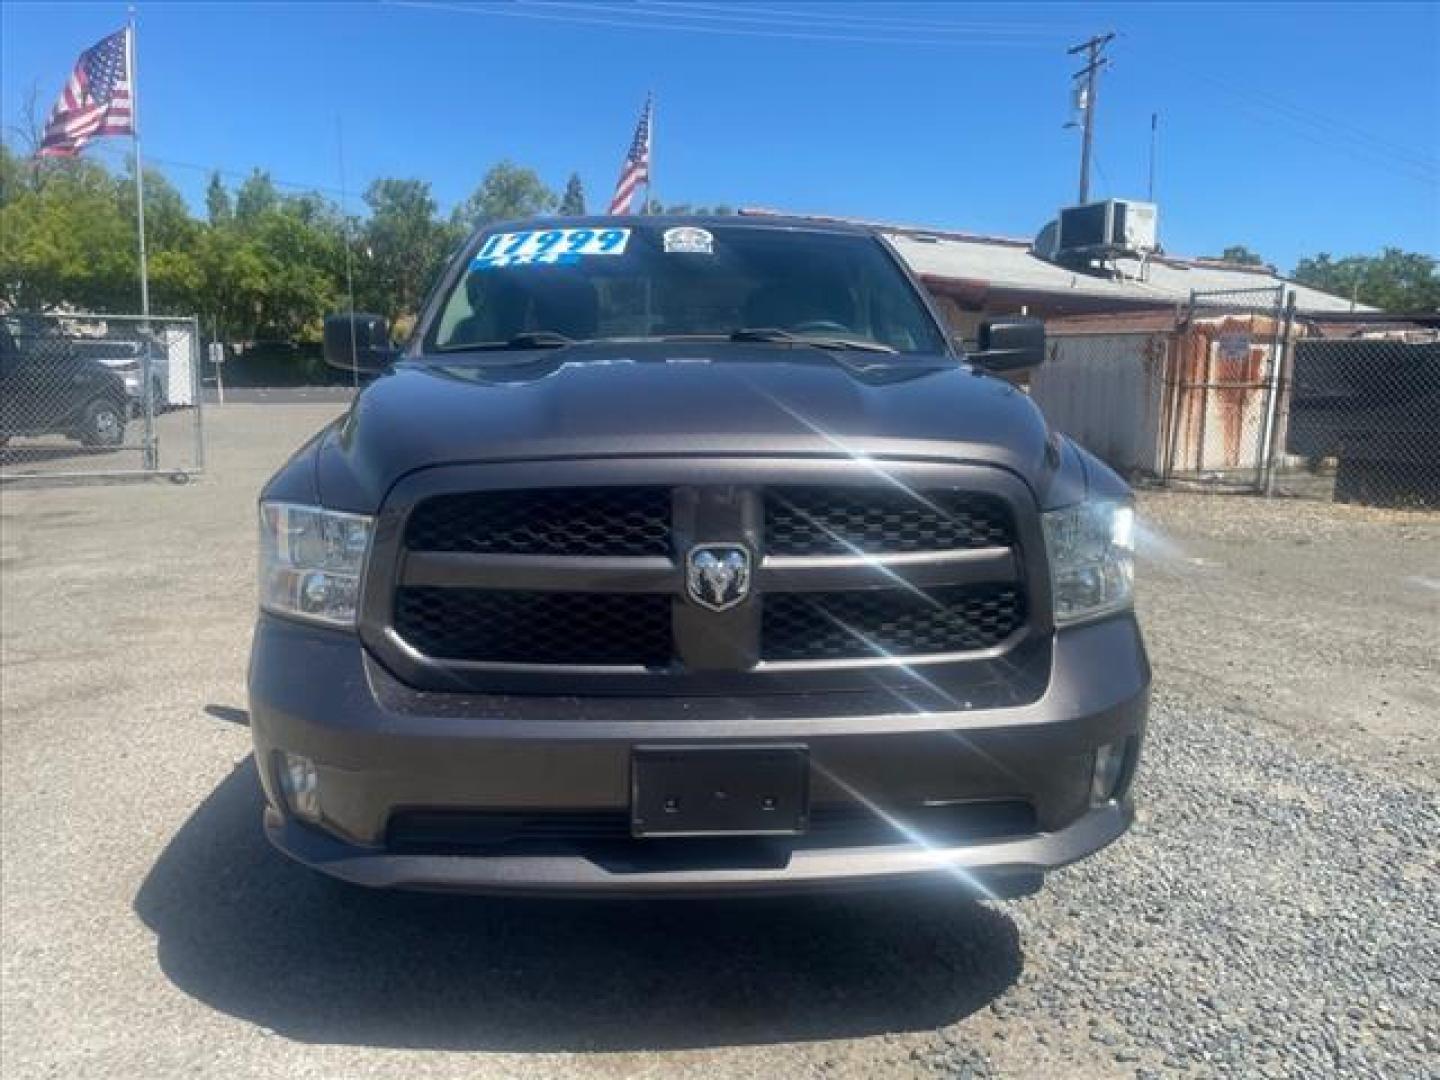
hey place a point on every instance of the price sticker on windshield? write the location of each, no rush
(549, 246)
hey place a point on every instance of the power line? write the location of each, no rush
(773, 16)
(236, 174)
(1301, 117)
(1347, 146)
(650, 24)
(1109, 188)
(1311, 116)
(1312, 125)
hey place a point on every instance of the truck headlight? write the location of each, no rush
(1092, 559)
(311, 562)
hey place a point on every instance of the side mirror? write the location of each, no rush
(1009, 345)
(358, 342)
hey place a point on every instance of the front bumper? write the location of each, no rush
(381, 748)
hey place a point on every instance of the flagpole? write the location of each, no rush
(139, 165)
(650, 153)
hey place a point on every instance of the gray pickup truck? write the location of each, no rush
(693, 556)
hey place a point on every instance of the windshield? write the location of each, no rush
(548, 286)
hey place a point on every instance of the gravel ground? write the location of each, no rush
(1275, 911)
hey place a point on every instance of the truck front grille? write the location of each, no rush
(498, 626)
(888, 622)
(596, 577)
(839, 521)
(554, 521)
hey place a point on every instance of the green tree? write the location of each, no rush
(12, 175)
(260, 263)
(172, 239)
(301, 246)
(232, 283)
(270, 272)
(572, 203)
(507, 191)
(404, 244)
(1241, 255)
(1394, 280)
(64, 238)
(168, 223)
(256, 195)
(217, 201)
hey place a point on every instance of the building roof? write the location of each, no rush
(1313, 324)
(1163, 279)
(976, 266)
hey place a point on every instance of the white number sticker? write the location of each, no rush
(549, 246)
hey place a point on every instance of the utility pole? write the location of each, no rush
(1094, 50)
(1154, 130)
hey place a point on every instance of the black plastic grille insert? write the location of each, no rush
(536, 627)
(479, 832)
(545, 521)
(888, 622)
(875, 521)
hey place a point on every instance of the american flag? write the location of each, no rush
(96, 101)
(636, 169)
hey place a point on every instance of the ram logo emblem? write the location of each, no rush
(718, 575)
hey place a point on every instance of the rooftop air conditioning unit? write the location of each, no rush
(1110, 227)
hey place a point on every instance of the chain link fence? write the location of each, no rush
(1363, 420)
(1189, 397)
(1235, 392)
(1225, 380)
(99, 395)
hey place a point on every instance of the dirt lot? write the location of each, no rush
(1274, 912)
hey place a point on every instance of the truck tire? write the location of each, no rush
(102, 423)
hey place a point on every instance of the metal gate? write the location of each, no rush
(89, 395)
(1227, 378)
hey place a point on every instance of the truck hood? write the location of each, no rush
(675, 399)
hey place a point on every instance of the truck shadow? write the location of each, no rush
(245, 931)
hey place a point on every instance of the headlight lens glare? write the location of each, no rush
(1092, 559)
(311, 562)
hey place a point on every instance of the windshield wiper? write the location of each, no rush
(785, 337)
(530, 339)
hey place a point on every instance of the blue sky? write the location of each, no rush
(1292, 128)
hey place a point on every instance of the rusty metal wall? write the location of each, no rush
(1226, 384)
(1195, 397)
(1223, 374)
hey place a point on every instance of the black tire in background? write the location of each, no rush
(102, 423)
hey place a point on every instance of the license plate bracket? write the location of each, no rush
(727, 790)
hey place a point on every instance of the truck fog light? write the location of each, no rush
(1109, 764)
(301, 784)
